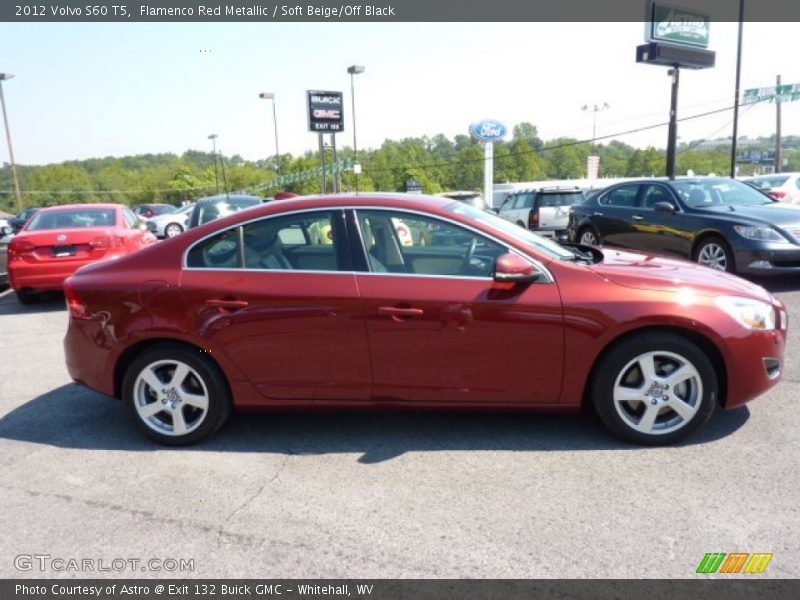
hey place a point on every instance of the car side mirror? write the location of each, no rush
(512, 268)
(666, 207)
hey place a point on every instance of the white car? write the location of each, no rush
(544, 210)
(782, 186)
(170, 224)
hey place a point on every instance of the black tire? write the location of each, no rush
(588, 231)
(174, 227)
(626, 418)
(204, 378)
(715, 247)
(27, 297)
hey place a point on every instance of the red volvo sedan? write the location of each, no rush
(317, 302)
(57, 241)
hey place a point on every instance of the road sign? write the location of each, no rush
(784, 93)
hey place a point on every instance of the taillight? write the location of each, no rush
(19, 247)
(77, 309)
(103, 242)
(777, 194)
(533, 219)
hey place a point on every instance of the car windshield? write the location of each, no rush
(75, 218)
(560, 199)
(529, 238)
(718, 192)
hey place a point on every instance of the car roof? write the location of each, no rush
(80, 206)
(220, 197)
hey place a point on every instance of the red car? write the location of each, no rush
(56, 241)
(262, 310)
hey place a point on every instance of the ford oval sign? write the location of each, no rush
(488, 130)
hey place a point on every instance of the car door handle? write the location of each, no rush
(230, 305)
(398, 312)
(637, 218)
(597, 214)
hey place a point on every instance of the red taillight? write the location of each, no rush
(19, 247)
(777, 194)
(103, 242)
(77, 309)
(533, 220)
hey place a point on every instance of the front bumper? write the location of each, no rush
(755, 364)
(768, 259)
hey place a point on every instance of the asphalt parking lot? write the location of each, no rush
(382, 494)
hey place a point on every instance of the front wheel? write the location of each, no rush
(588, 237)
(175, 395)
(173, 229)
(715, 253)
(654, 389)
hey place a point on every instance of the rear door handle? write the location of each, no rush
(597, 214)
(230, 305)
(637, 218)
(397, 312)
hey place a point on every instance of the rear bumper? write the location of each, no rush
(89, 362)
(45, 276)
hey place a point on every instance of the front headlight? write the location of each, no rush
(759, 233)
(751, 314)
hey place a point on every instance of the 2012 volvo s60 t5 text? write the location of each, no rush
(318, 302)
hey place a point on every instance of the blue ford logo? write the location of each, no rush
(488, 130)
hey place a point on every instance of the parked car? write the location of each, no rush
(214, 207)
(468, 197)
(170, 224)
(544, 210)
(781, 186)
(18, 221)
(720, 223)
(241, 313)
(59, 240)
(147, 211)
(5, 237)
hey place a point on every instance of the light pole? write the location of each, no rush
(594, 109)
(354, 70)
(213, 138)
(4, 77)
(271, 96)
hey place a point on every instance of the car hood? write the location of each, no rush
(777, 213)
(652, 272)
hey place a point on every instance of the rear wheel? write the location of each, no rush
(27, 297)
(176, 395)
(588, 237)
(172, 230)
(654, 389)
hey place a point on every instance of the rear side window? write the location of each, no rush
(220, 251)
(624, 196)
(559, 199)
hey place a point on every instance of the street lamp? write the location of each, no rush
(594, 109)
(4, 77)
(213, 138)
(271, 96)
(354, 70)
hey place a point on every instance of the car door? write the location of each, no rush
(278, 295)
(613, 215)
(441, 331)
(657, 230)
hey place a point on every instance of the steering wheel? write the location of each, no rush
(465, 266)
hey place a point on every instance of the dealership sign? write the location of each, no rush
(488, 130)
(675, 25)
(325, 113)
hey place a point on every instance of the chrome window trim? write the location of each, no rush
(535, 262)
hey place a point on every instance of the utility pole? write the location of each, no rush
(4, 77)
(736, 91)
(778, 159)
(672, 135)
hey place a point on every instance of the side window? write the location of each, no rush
(623, 196)
(398, 242)
(509, 202)
(129, 218)
(217, 252)
(655, 193)
(527, 201)
(301, 242)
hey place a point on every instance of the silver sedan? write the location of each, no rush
(169, 225)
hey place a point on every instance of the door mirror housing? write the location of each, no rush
(664, 206)
(512, 268)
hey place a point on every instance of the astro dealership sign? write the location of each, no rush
(325, 111)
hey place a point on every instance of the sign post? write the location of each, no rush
(488, 131)
(325, 115)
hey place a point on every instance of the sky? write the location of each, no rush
(85, 90)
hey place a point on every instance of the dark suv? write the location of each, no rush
(544, 210)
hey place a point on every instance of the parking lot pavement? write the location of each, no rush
(382, 494)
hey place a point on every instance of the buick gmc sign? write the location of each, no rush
(325, 114)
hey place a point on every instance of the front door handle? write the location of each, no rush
(227, 304)
(637, 218)
(397, 312)
(597, 214)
